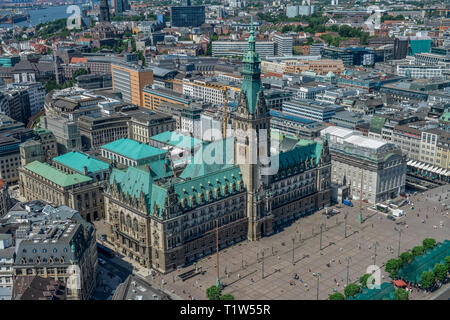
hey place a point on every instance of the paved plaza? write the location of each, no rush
(243, 262)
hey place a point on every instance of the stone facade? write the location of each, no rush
(164, 221)
(85, 196)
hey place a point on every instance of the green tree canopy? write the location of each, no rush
(429, 243)
(417, 251)
(79, 72)
(440, 271)
(447, 263)
(406, 257)
(392, 266)
(401, 294)
(213, 293)
(336, 296)
(227, 297)
(427, 279)
(363, 280)
(351, 290)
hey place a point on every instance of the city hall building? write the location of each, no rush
(163, 220)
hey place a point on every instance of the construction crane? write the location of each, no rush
(225, 114)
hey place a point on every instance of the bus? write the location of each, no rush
(382, 208)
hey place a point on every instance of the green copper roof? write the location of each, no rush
(158, 169)
(298, 158)
(177, 139)
(251, 73)
(445, 116)
(78, 160)
(216, 155)
(132, 181)
(215, 183)
(132, 149)
(56, 176)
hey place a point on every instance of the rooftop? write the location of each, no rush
(177, 139)
(132, 149)
(60, 178)
(78, 161)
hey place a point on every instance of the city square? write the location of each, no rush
(240, 265)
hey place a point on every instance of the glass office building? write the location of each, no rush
(189, 16)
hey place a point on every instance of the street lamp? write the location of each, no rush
(345, 225)
(262, 264)
(293, 247)
(399, 237)
(318, 278)
(375, 253)
(321, 228)
(349, 259)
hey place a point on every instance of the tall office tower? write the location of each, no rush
(401, 48)
(118, 6)
(188, 16)
(130, 79)
(104, 11)
(283, 45)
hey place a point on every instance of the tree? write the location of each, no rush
(392, 266)
(336, 296)
(427, 279)
(213, 293)
(440, 271)
(286, 29)
(417, 251)
(406, 257)
(351, 290)
(363, 280)
(51, 85)
(428, 243)
(447, 263)
(401, 294)
(79, 72)
(227, 297)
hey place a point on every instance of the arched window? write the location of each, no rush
(135, 225)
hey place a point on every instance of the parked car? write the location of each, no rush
(391, 217)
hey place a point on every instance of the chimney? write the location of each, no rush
(165, 167)
(148, 168)
(85, 170)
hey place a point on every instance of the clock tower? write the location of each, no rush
(252, 142)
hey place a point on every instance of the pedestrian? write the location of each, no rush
(239, 276)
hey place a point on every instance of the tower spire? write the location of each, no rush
(251, 84)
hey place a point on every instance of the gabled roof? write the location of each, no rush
(78, 160)
(177, 139)
(132, 181)
(132, 149)
(60, 178)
